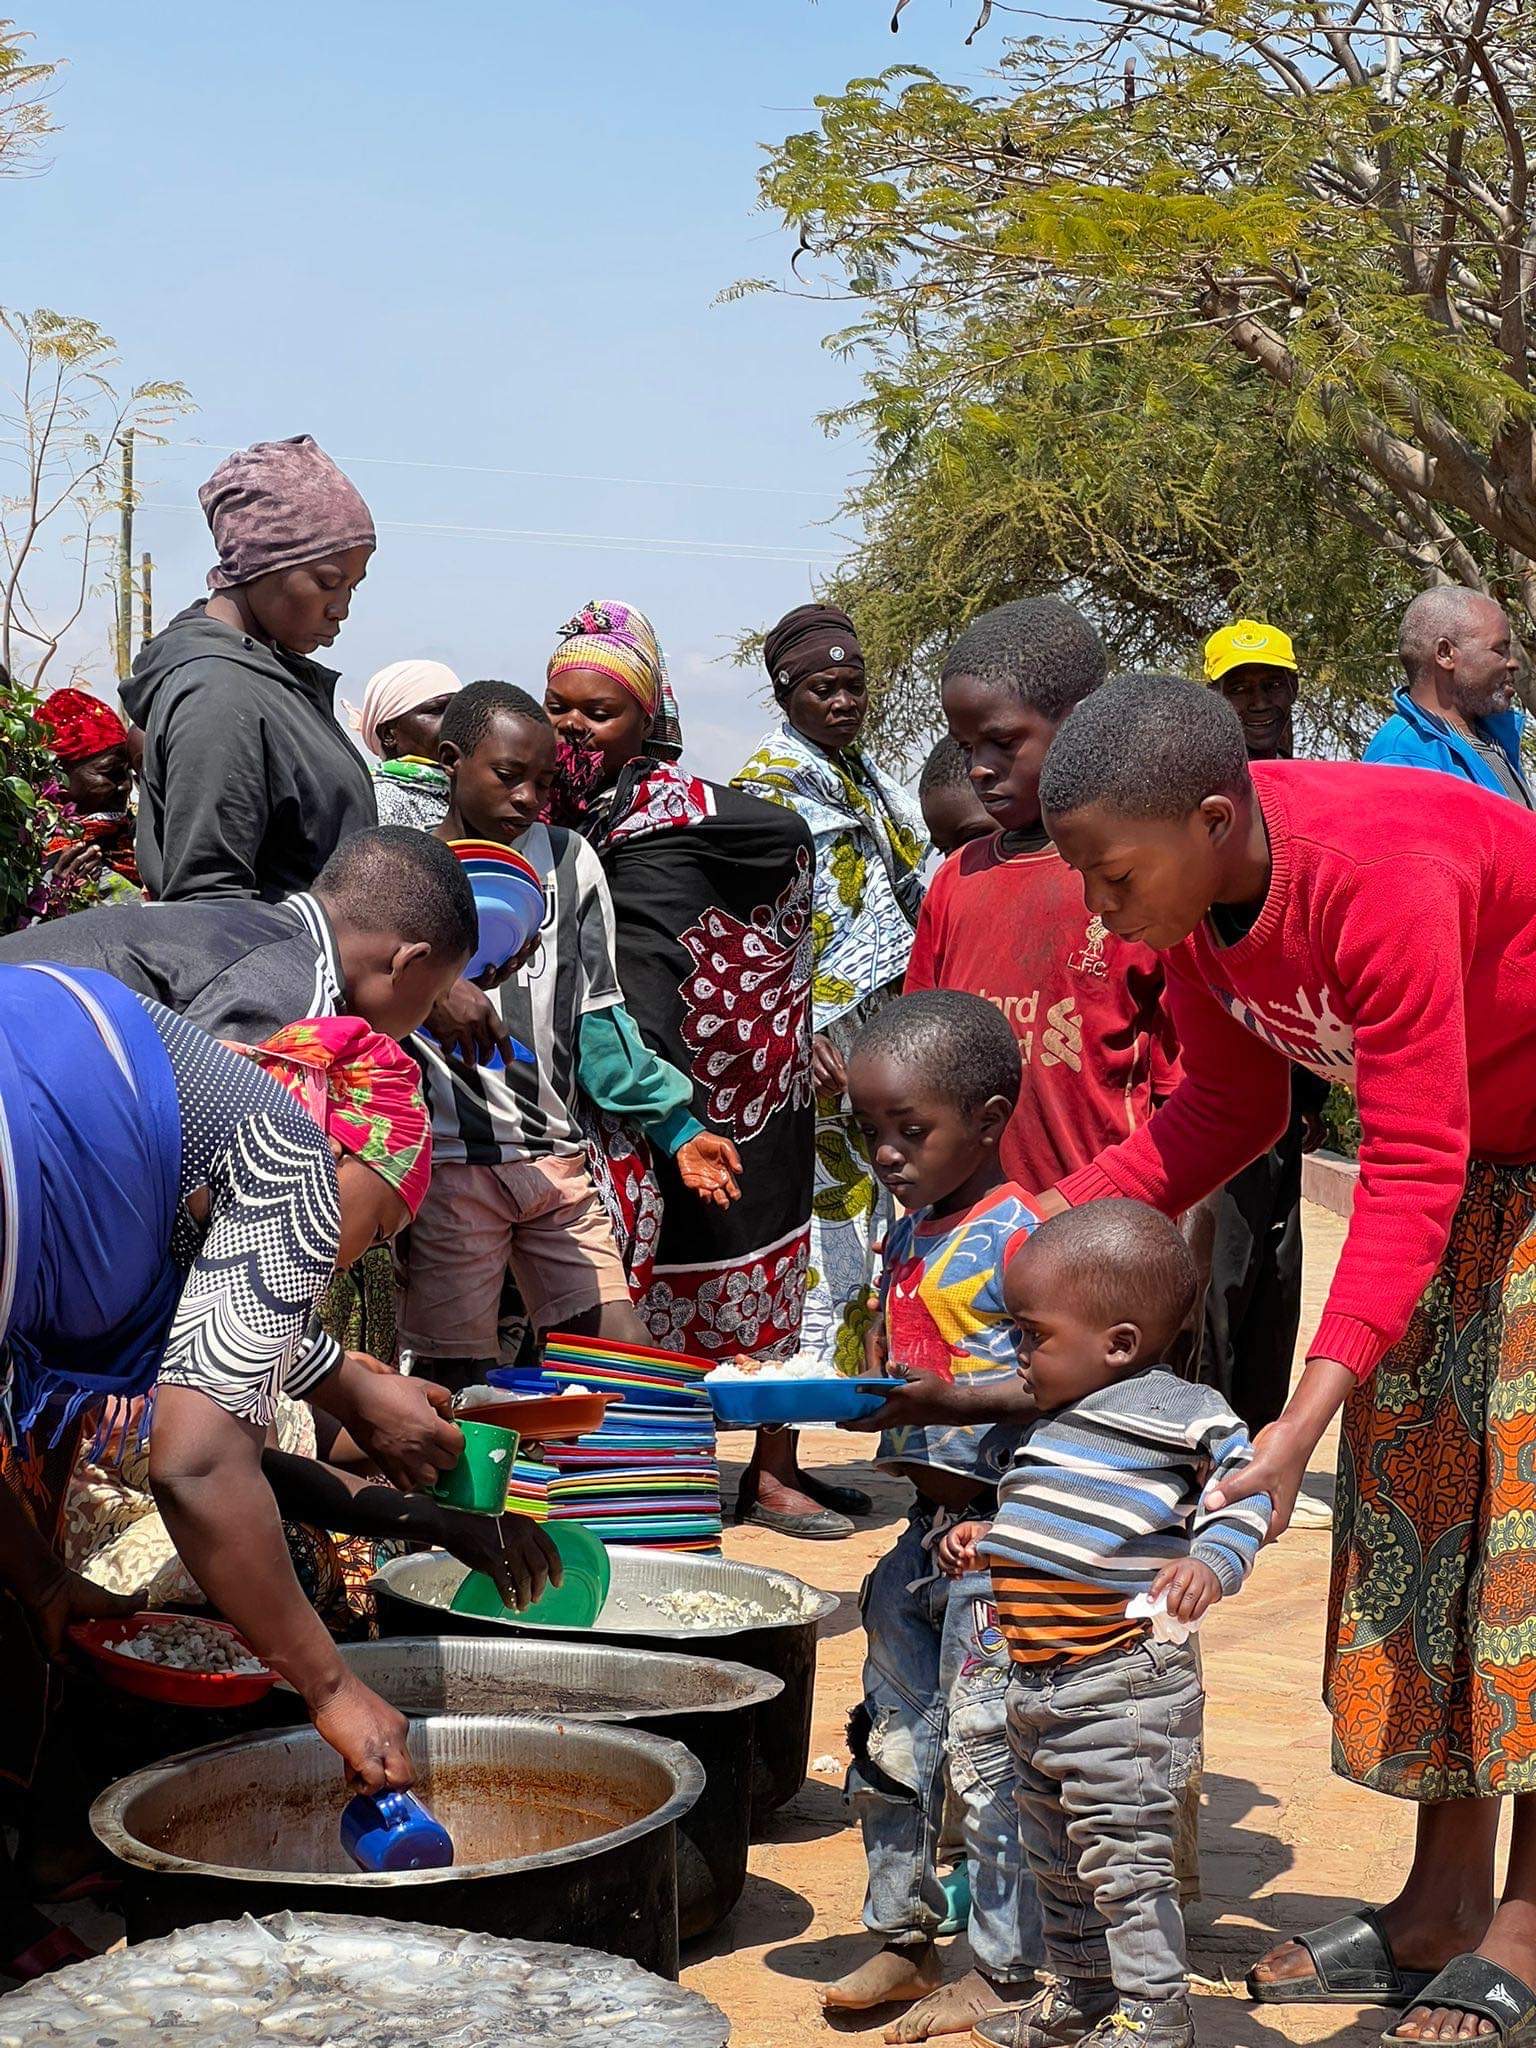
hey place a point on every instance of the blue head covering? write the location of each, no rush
(90, 1169)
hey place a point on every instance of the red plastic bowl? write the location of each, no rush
(158, 1681)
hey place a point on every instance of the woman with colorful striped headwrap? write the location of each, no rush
(711, 900)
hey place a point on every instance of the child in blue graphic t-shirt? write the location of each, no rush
(933, 1080)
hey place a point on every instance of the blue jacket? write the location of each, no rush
(1415, 738)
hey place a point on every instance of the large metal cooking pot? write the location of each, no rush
(412, 1595)
(708, 1705)
(558, 1829)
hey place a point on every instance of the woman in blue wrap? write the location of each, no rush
(170, 1213)
(169, 1216)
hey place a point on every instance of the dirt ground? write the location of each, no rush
(1284, 1844)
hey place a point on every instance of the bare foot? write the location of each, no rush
(955, 2008)
(891, 1974)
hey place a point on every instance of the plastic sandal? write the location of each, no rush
(1472, 1984)
(1354, 1965)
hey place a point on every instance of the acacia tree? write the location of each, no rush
(1214, 298)
(61, 421)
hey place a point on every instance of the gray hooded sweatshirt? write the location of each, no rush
(249, 783)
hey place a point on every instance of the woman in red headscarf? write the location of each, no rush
(94, 842)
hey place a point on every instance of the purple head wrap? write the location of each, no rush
(279, 504)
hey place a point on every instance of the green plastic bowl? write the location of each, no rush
(479, 1481)
(575, 1603)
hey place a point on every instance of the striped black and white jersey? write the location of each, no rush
(490, 1116)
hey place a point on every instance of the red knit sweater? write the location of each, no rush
(1396, 952)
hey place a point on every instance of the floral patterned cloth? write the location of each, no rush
(870, 848)
(113, 1534)
(712, 915)
(1431, 1661)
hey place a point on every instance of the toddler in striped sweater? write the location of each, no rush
(1104, 1502)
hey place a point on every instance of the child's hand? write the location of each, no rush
(957, 1553)
(1191, 1588)
(876, 1347)
(708, 1166)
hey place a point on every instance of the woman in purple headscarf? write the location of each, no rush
(249, 783)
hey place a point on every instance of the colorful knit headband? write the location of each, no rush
(363, 1090)
(617, 641)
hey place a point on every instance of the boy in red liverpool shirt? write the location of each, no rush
(1004, 917)
(1377, 926)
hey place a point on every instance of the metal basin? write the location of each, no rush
(559, 1829)
(321, 1978)
(708, 1705)
(412, 1595)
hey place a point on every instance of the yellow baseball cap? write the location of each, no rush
(1247, 640)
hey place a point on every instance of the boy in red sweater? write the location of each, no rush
(1004, 917)
(1377, 926)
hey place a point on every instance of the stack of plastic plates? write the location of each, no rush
(649, 1475)
(528, 1489)
(509, 898)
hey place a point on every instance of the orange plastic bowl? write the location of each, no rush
(544, 1418)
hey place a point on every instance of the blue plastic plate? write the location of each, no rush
(750, 1404)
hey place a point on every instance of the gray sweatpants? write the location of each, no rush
(1102, 1750)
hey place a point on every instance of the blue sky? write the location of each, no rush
(475, 239)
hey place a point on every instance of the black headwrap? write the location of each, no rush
(811, 638)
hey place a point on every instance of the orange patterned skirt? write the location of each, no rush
(1431, 1662)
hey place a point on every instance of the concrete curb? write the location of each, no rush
(1330, 1181)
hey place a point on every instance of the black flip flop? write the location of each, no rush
(1354, 1964)
(1471, 1984)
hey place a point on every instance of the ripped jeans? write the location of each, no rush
(935, 1686)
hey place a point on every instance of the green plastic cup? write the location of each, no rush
(478, 1483)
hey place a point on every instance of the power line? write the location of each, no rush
(565, 476)
(742, 551)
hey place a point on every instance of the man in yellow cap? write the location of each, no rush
(1253, 1307)
(1254, 667)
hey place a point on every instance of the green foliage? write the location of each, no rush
(62, 417)
(1342, 1122)
(29, 805)
(1217, 306)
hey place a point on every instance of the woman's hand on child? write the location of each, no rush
(1190, 1588)
(708, 1166)
(957, 1553)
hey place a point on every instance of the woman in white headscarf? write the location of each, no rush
(403, 707)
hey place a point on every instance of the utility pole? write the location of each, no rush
(125, 561)
(146, 604)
